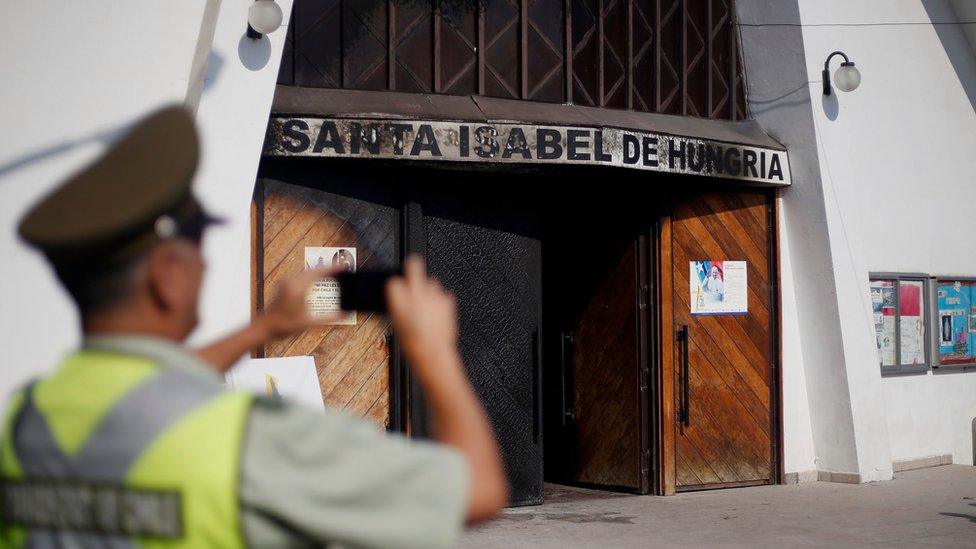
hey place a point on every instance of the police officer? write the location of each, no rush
(132, 441)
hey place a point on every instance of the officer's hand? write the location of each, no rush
(288, 312)
(424, 316)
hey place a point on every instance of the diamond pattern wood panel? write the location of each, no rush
(615, 46)
(668, 56)
(642, 87)
(586, 52)
(458, 47)
(545, 70)
(414, 32)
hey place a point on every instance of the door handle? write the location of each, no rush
(684, 413)
(566, 352)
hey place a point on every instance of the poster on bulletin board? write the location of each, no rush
(883, 305)
(911, 321)
(956, 322)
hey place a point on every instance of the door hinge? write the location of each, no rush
(643, 296)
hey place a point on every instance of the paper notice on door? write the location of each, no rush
(323, 299)
(718, 287)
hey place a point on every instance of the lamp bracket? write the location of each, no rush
(826, 70)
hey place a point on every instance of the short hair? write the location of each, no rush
(95, 288)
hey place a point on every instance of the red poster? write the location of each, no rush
(910, 300)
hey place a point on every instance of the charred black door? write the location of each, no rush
(483, 244)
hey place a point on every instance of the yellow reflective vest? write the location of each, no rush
(118, 451)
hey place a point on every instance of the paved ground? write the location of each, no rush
(933, 507)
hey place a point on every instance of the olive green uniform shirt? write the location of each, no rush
(310, 478)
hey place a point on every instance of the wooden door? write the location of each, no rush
(311, 204)
(593, 285)
(486, 249)
(720, 428)
(604, 357)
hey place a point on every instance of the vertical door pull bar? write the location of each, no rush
(684, 414)
(565, 348)
(536, 396)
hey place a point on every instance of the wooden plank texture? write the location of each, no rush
(605, 373)
(667, 400)
(729, 438)
(352, 361)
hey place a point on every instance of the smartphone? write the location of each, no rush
(364, 290)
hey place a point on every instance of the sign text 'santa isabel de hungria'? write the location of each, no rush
(524, 144)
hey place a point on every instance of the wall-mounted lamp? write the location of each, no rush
(847, 77)
(263, 17)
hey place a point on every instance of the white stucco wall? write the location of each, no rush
(799, 452)
(897, 167)
(74, 75)
(232, 118)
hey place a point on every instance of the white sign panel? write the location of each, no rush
(323, 299)
(524, 144)
(718, 287)
(292, 377)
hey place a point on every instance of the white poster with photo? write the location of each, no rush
(718, 287)
(323, 299)
(290, 377)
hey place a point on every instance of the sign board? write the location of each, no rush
(524, 144)
(291, 377)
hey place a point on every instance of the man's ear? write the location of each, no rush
(163, 277)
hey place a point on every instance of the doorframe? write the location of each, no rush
(646, 344)
(775, 297)
(662, 394)
(664, 368)
(405, 391)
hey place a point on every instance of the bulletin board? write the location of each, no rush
(955, 321)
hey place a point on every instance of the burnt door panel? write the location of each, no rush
(489, 256)
(300, 204)
(723, 371)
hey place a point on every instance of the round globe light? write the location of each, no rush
(847, 78)
(264, 16)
